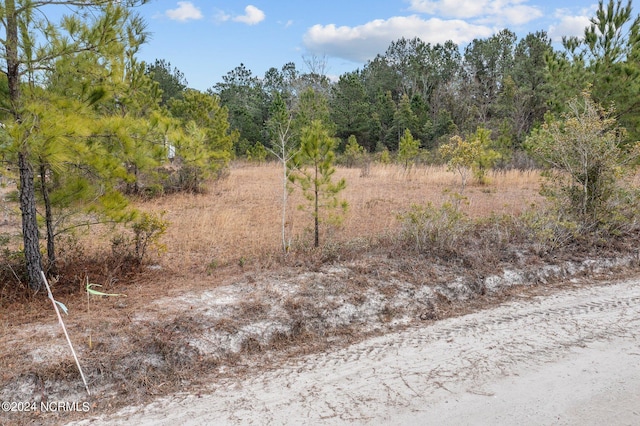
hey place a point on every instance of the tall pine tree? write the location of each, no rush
(32, 43)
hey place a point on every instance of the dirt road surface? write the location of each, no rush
(567, 358)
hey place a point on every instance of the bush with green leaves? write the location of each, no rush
(435, 229)
(257, 153)
(546, 229)
(586, 162)
(384, 156)
(148, 230)
(472, 155)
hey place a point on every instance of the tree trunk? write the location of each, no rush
(32, 256)
(316, 241)
(284, 202)
(30, 235)
(316, 215)
(11, 50)
(51, 248)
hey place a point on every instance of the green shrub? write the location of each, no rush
(384, 157)
(586, 161)
(153, 191)
(435, 229)
(256, 153)
(147, 231)
(353, 152)
(473, 154)
(547, 230)
(408, 149)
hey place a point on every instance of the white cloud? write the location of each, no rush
(496, 12)
(221, 16)
(364, 42)
(252, 16)
(569, 26)
(185, 12)
(519, 15)
(450, 8)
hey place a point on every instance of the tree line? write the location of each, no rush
(501, 83)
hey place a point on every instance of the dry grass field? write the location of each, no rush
(239, 218)
(237, 221)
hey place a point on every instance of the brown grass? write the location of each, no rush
(237, 223)
(239, 218)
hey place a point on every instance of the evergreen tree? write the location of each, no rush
(99, 134)
(350, 109)
(32, 42)
(605, 61)
(408, 149)
(207, 145)
(405, 118)
(171, 81)
(315, 176)
(241, 93)
(530, 77)
(384, 113)
(353, 151)
(312, 106)
(487, 63)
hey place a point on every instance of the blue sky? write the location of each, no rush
(205, 39)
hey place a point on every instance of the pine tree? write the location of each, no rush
(206, 146)
(408, 149)
(604, 61)
(32, 43)
(405, 118)
(315, 175)
(353, 151)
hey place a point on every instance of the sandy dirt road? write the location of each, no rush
(568, 358)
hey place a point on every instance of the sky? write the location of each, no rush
(205, 39)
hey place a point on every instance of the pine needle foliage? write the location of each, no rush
(315, 173)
